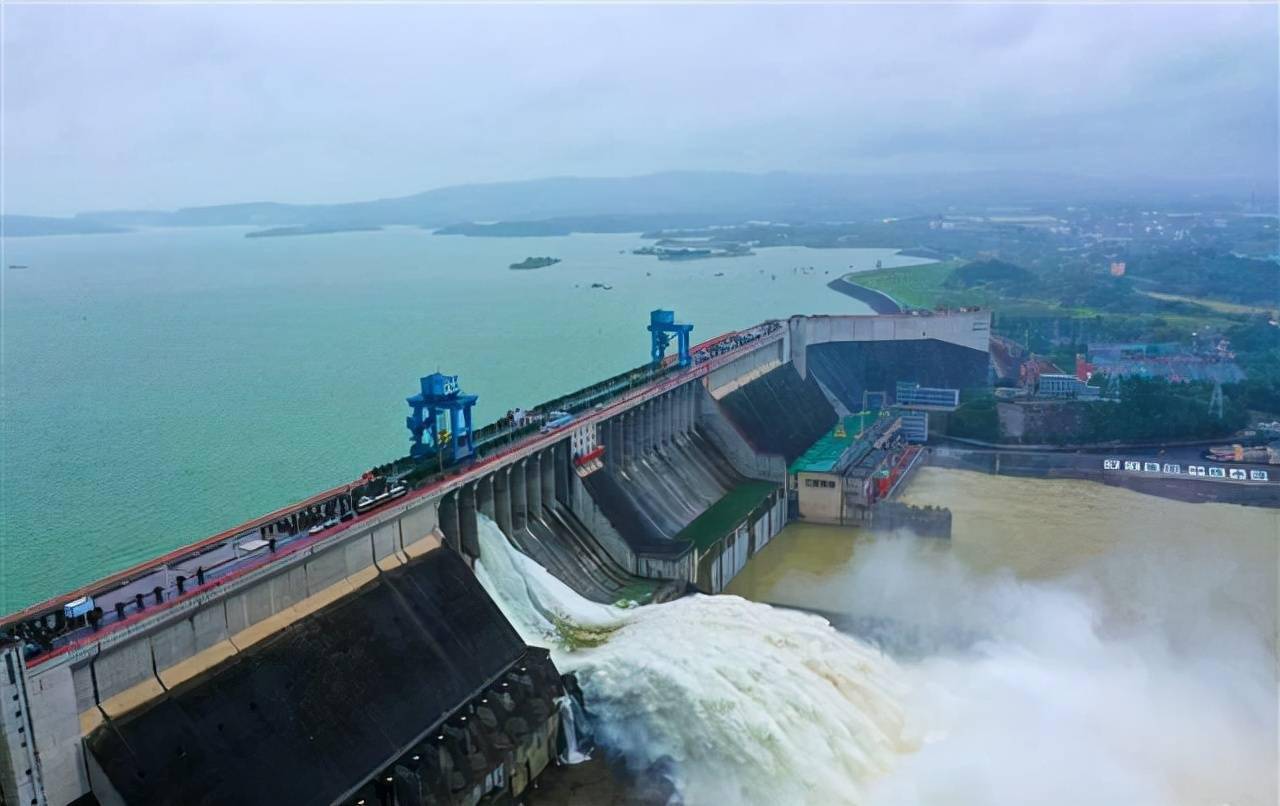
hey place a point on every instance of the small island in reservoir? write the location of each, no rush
(535, 263)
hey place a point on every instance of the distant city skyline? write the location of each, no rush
(160, 107)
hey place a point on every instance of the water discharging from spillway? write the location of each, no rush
(742, 702)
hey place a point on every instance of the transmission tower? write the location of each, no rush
(1215, 402)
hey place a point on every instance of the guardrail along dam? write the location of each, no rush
(368, 645)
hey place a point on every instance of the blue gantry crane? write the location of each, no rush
(662, 324)
(441, 396)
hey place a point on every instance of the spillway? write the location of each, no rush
(563, 544)
(328, 638)
(744, 703)
(650, 499)
(780, 412)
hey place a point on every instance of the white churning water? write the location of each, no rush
(751, 704)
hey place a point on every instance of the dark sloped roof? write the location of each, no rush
(307, 715)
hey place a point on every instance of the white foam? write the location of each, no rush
(752, 704)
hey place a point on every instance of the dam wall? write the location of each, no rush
(964, 328)
(688, 488)
(718, 566)
(850, 369)
(726, 379)
(301, 716)
(129, 665)
(651, 497)
(720, 431)
(780, 412)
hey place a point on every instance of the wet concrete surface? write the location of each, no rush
(598, 783)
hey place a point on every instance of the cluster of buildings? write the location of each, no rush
(1040, 378)
(1169, 361)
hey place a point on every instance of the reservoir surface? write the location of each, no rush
(162, 385)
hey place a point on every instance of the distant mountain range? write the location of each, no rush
(684, 198)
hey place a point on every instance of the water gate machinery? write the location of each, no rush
(662, 324)
(441, 394)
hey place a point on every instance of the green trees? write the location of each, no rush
(976, 419)
(1153, 409)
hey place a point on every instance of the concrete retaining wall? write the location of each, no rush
(721, 432)
(968, 329)
(72, 696)
(718, 565)
(725, 379)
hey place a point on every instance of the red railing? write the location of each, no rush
(529, 444)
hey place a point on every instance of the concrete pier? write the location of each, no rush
(519, 499)
(484, 497)
(502, 499)
(629, 450)
(563, 473)
(449, 521)
(533, 486)
(547, 463)
(468, 528)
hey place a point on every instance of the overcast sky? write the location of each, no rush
(158, 107)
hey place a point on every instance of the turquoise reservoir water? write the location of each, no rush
(162, 385)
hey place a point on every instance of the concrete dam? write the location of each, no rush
(341, 650)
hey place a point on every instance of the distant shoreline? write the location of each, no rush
(879, 301)
(1088, 467)
(285, 232)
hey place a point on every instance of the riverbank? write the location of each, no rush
(1088, 467)
(879, 301)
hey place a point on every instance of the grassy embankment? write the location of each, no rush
(726, 513)
(1212, 304)
(933, 285)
